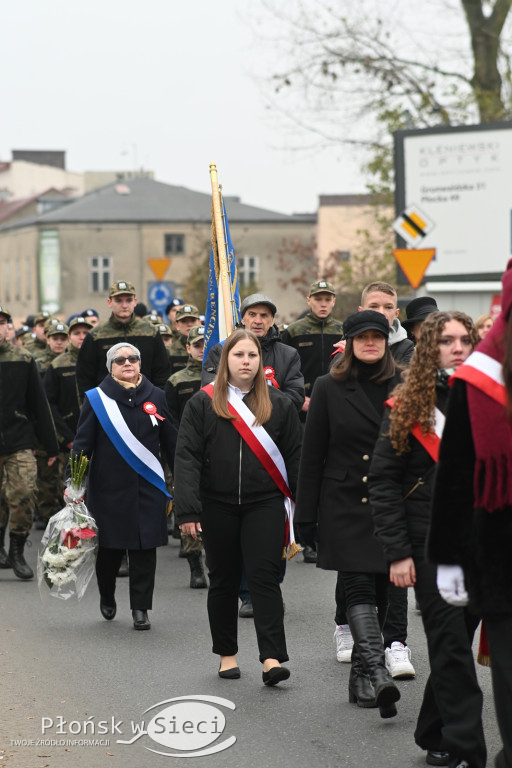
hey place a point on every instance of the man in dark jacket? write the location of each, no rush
(122, 325)
(24, 413)
(281, 362)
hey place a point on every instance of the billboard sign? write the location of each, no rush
(459, 179)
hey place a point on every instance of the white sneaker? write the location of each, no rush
(398, 661)
(343, 642)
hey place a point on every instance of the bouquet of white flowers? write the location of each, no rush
(67, 554)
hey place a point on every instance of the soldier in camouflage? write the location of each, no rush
(314, 335)
(36, 344)
(170, 311)
(123, 325)
(179, 389)
(187, 317)
(60, 386)
(24, 414)
(182, 385)
(49, 480)
(165, 333)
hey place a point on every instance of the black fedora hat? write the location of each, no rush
(418, 309)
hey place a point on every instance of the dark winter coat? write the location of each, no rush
(129, 511)
(460, 534)
(283, 359)
(213, 461)
(401, 492)
(91, 364)
(342, 427)
(24, 409)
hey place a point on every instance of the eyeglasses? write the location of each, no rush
(122, 360)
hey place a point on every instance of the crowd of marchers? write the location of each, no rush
(376, 448)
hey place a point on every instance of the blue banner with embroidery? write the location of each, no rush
(124, 441)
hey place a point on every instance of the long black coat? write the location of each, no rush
(341, 429)
(460, 534)
(129, 511)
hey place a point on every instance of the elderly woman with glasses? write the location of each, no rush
(124, 425)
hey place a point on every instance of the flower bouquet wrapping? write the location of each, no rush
(67, 554)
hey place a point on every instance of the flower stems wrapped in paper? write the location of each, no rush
(67, 555)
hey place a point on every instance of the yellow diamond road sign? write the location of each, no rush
(413, 225)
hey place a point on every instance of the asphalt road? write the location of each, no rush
(62, 665)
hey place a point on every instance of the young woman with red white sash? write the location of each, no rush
(449, 725)
(471, 528)
(236, 465)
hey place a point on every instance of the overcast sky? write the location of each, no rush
(167, 85)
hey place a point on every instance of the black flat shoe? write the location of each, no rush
(276, 675)
(233, 673)
(140, 620)
(108, 611)
(437, 757)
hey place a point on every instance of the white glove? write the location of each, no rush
(450, 583)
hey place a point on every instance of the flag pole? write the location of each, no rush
(221, 248)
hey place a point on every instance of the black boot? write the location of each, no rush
(19, 566)
(360, 689)
(365, 629)
(4, 557)
(197, 575)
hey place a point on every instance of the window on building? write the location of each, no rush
(248, 270)
(174, 244)
(100, 273)
(341, 255)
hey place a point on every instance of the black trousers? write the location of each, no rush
(366, 589)
(450, 718)
(141, 574)
(252, 534)
(395, 626)
(499, 634)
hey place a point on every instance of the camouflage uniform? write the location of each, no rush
(181, 386)
(49, 479)
(313, 338)
(177, 351)
(178, 348)
(60, 386)
(24, 413)
(35, 347)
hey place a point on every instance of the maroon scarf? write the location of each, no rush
(491, 429)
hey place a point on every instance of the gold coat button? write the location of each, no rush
(366, 457)
(364, 500)
(365, 479)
